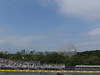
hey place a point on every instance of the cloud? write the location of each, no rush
(60, 34)
(88, 43)
(93, 32)
(20, 41)
(90, 39)
(86, 9)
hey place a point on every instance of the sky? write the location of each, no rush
(43, 25)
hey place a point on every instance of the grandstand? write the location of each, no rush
(7, 64)
(25, 65)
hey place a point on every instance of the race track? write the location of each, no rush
(31, 73)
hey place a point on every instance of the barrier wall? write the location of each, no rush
(48, 71)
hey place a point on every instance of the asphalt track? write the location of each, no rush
(31, 73)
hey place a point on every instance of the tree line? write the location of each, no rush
(82, 58)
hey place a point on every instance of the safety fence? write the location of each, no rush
(68, 68)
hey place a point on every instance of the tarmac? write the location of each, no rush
(32, 73)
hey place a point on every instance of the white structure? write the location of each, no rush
(87, 67)
(67, 49)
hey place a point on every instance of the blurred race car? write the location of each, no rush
(42, 72)
(59, 74)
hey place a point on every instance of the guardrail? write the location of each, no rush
(59, 69)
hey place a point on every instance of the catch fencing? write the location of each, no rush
(68, 68)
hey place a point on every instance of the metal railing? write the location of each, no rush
(69, 68)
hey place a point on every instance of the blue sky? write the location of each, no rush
(45, 24)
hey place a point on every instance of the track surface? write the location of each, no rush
(31, 73)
